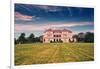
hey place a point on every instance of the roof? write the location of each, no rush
(67, 30)
(64, 30)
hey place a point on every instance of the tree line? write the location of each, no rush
(30, 39)
(80, 37)
(84, 37)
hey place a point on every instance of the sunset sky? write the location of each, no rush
(36, 19)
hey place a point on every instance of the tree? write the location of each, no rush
(81, 37)
(41, 38)
(89, 37)
(31, 38)
(75, 37)
(15, 41)
(37, 39)
(22, 38)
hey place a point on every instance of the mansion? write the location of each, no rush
(64, 36)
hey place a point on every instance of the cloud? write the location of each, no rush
(49, 8)
(22, 27)
(42, 27)
(19, 16)
(71, 24)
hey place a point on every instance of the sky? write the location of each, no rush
(30, 18)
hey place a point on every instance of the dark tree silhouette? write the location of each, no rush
(37, 39)
(89, 37)
(75, 37)
(31, 38)
(41, 38)
(22, 38)
(15, 41)
(81, 37)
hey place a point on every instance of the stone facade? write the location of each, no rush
(51, 35)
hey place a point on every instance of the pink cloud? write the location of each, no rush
(19, 16)
(42, 27)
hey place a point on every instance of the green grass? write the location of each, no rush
(41, 53)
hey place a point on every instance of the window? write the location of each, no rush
(57, 36)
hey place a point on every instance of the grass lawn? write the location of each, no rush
(41, 53)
